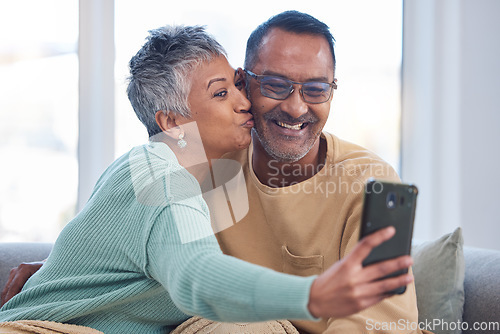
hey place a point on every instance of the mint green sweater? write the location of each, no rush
(141, 258)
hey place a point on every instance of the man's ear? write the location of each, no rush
(167, 122)
(241, 73)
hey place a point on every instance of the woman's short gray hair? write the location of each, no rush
(160, 72)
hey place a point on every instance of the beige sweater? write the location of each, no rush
(304, 228)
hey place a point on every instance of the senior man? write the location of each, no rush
(305, 186)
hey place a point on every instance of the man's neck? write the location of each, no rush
(277, 174)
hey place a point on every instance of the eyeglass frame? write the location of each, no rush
(333, 86)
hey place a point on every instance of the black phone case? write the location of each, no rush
(387, 204)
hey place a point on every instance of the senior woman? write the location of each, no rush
(141, 255)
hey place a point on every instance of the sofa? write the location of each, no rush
(480, 281)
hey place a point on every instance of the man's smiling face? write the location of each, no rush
(287, 129)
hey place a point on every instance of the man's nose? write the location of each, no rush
(294, 104)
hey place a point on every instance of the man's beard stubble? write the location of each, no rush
(272, 148)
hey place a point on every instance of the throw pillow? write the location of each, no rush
(439, 270)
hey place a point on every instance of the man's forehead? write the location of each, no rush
(301, 55)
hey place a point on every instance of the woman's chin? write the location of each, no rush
(240, 145)
(245, 143)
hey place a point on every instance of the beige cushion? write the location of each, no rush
(43, 327)
(205, 326)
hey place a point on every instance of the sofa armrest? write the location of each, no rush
(482, 288)
(13, 254)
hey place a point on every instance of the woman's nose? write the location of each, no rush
(243, 104)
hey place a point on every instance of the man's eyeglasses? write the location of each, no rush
(280, 88)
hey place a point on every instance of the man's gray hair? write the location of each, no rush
(160, 77)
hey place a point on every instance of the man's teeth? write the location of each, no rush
(292, 127)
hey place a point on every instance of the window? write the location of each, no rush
(38, 118)
(39, 85)
(365, 109)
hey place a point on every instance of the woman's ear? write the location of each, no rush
(168, 123)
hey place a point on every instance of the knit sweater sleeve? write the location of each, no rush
(203, 281)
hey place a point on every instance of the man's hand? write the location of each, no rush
(347, 287)
(18, 277)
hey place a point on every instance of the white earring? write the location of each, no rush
(181, 142)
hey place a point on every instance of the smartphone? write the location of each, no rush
(389, 204)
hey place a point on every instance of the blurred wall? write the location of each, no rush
(451, 116)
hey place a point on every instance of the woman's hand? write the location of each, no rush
(347, 287)
(17, 278)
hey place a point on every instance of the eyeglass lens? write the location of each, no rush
(279, 88)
